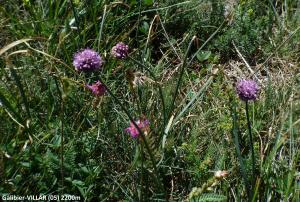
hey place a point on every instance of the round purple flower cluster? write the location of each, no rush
(87, 60)
(247, 90)
(120, 50)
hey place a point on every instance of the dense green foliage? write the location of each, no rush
(58, 138)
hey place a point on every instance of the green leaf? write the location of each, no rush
(56, 141)
(145, 27)
(203, 55)
(194, 98)
(21, 89)
(84, 169)
(210, 197)
(4, 102)
(78, 183)
(137, 158)
(25, 164)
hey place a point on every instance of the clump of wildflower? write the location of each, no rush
(97, 88)
(247, 90)
(142, 124)
(87, 60)
(120, 50)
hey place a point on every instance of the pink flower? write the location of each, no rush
(120, 50)
(142, 124)
(97, 88)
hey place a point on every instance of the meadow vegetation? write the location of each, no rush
(162, 121)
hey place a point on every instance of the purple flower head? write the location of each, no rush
(247, 90)
(97, 88)
(120, 51)
(87, 60)
(142, 124)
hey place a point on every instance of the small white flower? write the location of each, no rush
(221, 174)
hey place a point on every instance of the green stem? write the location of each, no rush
(206, 42)
(251, 145)
(160, 91)
(76, 19)
(62, 147)
(235, 131)
(101, 27)
(21, 89)
(180, 77)
(62, 135)
(139, 130)
(142, 173)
